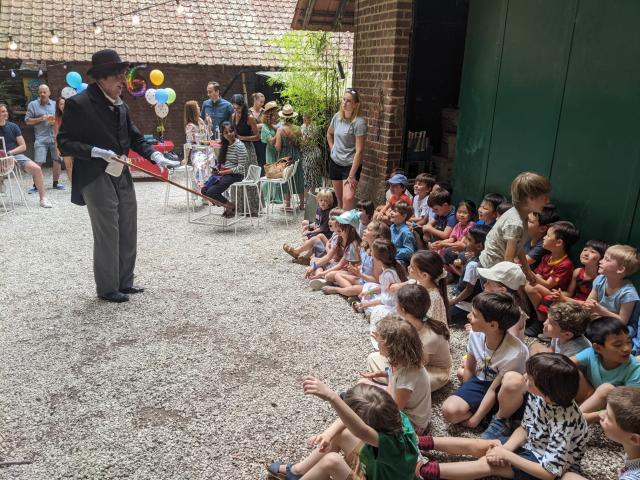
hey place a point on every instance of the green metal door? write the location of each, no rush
(483, 50)
(596, 167)
(536, 49)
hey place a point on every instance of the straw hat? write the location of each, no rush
(269, 106)
(287, 112)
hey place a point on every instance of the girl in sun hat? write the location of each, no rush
(287, 143)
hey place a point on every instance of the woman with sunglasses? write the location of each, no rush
(346, 135)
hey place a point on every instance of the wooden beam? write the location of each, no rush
(307, 13)
(339, 12)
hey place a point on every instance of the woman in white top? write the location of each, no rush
(345, 135)
(232, 163)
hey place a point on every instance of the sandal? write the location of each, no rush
(302, 260)
(290, 250)
(356, 307)
(274, 471)
(352, 300)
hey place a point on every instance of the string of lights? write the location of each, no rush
(97, 25)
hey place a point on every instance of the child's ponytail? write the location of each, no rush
(415, 300)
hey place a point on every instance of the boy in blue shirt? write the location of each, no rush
(606, 365)
(487, 211)
(401, 235)
(445, 216)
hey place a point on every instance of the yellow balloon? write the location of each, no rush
(156, 77)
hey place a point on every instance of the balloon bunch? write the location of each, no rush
(75, 85)
(136, 86)
(160, 98)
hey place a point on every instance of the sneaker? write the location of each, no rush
(45, 203)
(32, 190)
(59, 186)
(534, 329)
(317, 284)
(497, 429)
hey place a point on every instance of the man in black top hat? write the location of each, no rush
(96, 129)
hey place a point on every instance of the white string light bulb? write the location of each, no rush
(179, 8)
(12, 44)
(54, 38)
(97, 29)
(135, 20)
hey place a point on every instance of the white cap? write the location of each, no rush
(507, 273)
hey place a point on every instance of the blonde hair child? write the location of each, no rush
(325, 251)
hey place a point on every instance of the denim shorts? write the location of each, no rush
(21, 159)
(40, 152)
(520, 474)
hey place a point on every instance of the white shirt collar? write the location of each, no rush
(117, 101)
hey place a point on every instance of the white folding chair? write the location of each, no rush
(279, 183)
(184, 167)
(251, 180)
(7, 170)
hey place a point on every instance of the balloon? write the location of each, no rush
(67, 92)
(83, 86)
(150, 96)
(161, 109)
(172, 95)
(137, 86)
(74, 80)
(156, 77)
(162, 95)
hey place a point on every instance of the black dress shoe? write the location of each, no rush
(116, 297)
(132, 289)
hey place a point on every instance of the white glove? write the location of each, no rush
(107, 155)
(162, 161)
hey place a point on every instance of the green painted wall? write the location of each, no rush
(553, 86)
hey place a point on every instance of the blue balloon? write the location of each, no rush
(83, 86)
(74, 80)
(162, 96)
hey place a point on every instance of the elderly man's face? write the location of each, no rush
(114, 84)
(44, 93)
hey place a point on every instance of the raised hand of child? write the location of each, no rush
(313, 386)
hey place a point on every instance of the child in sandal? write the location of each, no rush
(321, 223)
(550, 441)
(349, 282)
(324, 256)
(315, 246)
(413, 305)
(376, 438)
(408, 379)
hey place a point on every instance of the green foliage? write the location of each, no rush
(310, 81)
(10, 93)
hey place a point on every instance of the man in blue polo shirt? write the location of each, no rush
(41, 113)
(215, 110)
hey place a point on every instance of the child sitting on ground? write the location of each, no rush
(409, 385)
(422, 213)
(325, 251)
(565, 325)
(379, 299)
(321, 223)
(469, 285)
(555, 270)
(449, 247)
(529, 193)
(401, 235)
(397, 185)
(366, 209)
(503, 277)
(487, 211)
(551, 440)
(537, 225)
(621, 424)
(350, 245)
(613, 295)
(349, 282)
(413, 305)
(493, 355)
(315, 246)
(377, 439)
(444, 218)
(607, 364)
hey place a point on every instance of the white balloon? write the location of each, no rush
(68, 92)
(162, 110)
(150, 96)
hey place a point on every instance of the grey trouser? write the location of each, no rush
(113, 211)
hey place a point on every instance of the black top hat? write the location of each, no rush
(105, 61)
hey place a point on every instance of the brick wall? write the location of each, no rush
(381, 57)
(189, 82)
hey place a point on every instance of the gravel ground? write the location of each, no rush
(199, 377)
